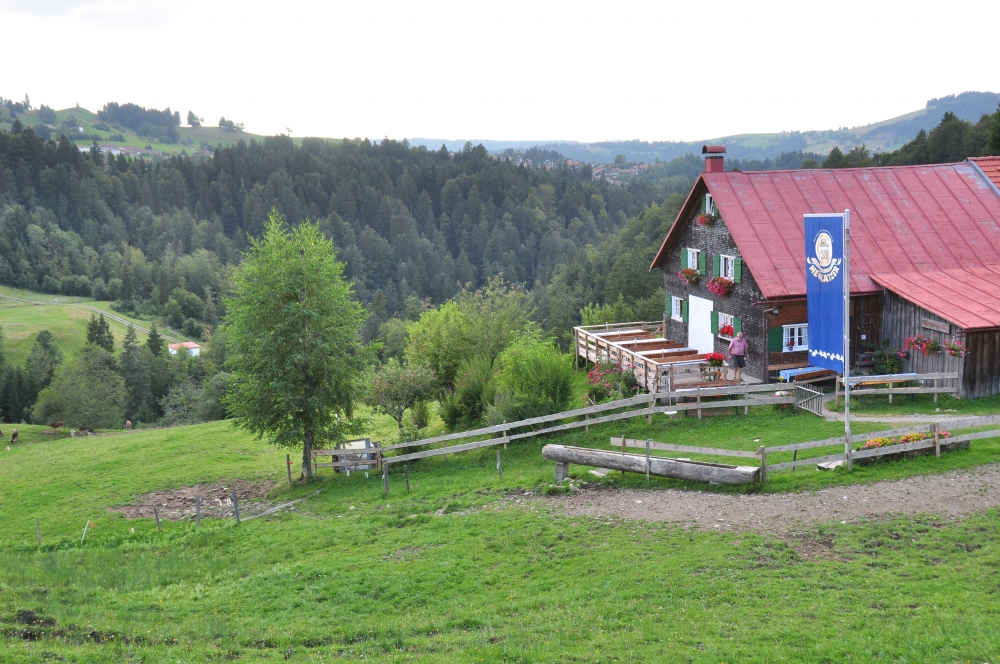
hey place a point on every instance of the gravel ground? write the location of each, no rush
(949, 494)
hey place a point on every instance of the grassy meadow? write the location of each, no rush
(456, 570)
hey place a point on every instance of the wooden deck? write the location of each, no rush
(658, 364)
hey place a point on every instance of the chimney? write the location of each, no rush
(713, 157)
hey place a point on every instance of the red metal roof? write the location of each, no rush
(905, 220)
(968, 298)
(990, 166)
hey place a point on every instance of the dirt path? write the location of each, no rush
(949, 494)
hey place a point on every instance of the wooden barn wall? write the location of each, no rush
(981, 370)
(902, 319)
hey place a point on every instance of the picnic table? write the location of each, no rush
(803, 373)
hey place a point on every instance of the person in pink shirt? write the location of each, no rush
(737, 353)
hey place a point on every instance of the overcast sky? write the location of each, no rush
(511, 70)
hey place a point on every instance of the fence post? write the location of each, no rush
(586, 428)
(699, 409)
(499, 465)
(935, 429)
(647, 458)
(762, 453)
(156, 515)
(406, 474)
(890, 391)
(236, 505)
(848, 457)
(38, 531)
(288, 467)
(506, 432)
(649, 418)
(385, 479)
(197, 510)
(444, 444)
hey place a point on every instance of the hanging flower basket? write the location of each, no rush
(715, 359)
(705, 219)
(955, 348)
(720, 286)
(925, 345)
(689, 276)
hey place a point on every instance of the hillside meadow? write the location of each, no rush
(457, 570)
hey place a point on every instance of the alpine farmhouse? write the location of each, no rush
(924, 252)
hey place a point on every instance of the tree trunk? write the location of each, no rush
(307, 448)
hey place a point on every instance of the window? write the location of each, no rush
(727, 267)
(726, 326)
(710, 204)
(692, 259)
(796, 337)
(676, 308)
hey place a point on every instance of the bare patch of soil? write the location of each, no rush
(953, 494)
(216, 501)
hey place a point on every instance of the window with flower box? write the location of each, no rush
(796, 337)
(726, 326)
(710, 205)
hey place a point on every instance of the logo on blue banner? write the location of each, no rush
(825, 290)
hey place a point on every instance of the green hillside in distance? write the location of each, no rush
(65, 317)
(190, 143)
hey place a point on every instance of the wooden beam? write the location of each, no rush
(659, 466)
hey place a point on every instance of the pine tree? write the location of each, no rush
(993, 142)
(154, 342)
(99, 333)
(135, 371)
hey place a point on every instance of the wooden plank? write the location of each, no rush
(935, 325)
(905, 390)
(807, 462)
(806, 446)
(978, 435)
(864, 437)
(367, 450)
(884, 378)
(631, 442)
(465, 447)
(345, 464)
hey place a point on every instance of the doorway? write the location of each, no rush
(700, 334)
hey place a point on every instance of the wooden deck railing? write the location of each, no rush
(931, 383)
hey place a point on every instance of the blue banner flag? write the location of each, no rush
(825, 289)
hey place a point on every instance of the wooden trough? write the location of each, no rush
(681, 469)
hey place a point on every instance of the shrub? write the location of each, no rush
(474, 390)
(618, 311)
(607, 380)
(537, 377)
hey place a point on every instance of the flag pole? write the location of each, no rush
(847, 339)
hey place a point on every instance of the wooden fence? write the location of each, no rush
(931, 383)
(643, 405)
(847, 454)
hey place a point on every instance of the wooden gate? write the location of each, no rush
(809, 399)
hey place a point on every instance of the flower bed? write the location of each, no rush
(925, 345)
(720, 286)
(908, 438)
(689, 276)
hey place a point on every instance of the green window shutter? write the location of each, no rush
(737, 325)
(738, 270)
(701, 262)
(684, 258)
(704, 203)
(667, 311)
(716, 265)
(715, 322)
(684, 315)
(775, 338)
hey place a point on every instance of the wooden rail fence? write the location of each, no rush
(931, 384)
(935, 441)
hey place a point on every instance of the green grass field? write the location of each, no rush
(22, 322)
(353, 576)
(910, 404)
(209, 134)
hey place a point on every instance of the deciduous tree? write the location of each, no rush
(295, 353)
